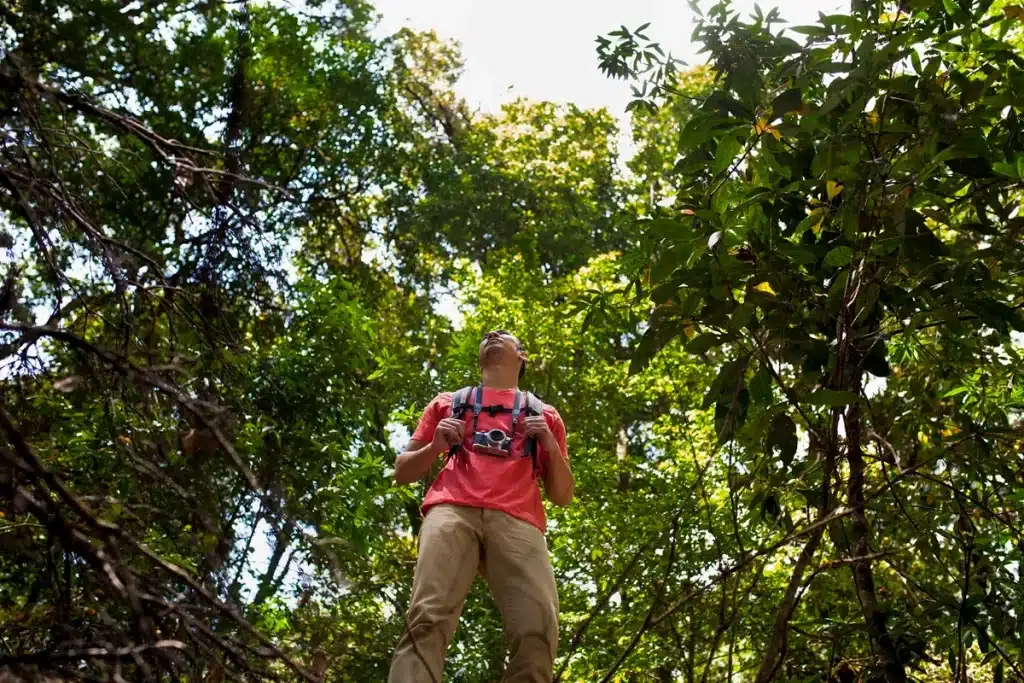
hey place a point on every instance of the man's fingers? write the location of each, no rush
(536, 424)
(448, 433)
(455, 431)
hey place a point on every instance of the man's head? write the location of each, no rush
(500, 348)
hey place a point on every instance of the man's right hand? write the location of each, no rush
(449, 432)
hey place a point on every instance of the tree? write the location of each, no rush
(156, 170)
(846, 211)
(782, 343)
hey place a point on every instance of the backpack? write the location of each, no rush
(471, 398)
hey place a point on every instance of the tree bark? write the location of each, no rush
(281, 543)
(874, 616)
(621, 453)
(775, 651)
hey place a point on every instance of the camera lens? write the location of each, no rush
(496, 435)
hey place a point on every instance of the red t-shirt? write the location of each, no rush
(487, 481)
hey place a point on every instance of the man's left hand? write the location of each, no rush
(537, 426)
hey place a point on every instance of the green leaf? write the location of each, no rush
(866, 301)
(702, 343)
(731, 413)
(729, 377)
(797, 254)
(770, 507)
(876, 365)
(836, 293)
(954, 10)
(670, 228)
(972, 167)
(679, 255)
(809, 222)
(983, 642)
(761, 387)
(839, 257)
(1008, 170)
(782, 436)
(653, 340)
(728, 148)
(786, 102)
(997, 675)
(998, 315)
(741, 316)
(813, 31)
(832, 397)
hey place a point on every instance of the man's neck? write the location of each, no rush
(499, 378)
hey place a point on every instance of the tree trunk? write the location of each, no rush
(775, 652)
(281, 543)
(863, 580)
(621, 453)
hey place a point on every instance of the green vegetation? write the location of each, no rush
(784, 338)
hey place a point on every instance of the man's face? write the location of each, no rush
(500, 347)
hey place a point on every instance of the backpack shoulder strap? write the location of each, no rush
(534, 406)
(460, 402)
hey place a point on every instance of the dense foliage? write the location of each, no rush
(784, 337)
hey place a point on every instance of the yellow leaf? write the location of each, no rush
(872, 117)
(689, 331)
(762, 127)
(833, 188)
(765, 287)
(816, 228)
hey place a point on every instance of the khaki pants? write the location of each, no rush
(454, 542)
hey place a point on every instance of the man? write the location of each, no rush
(484, 512)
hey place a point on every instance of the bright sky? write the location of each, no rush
(545, 49)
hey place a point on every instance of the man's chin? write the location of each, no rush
(490, 354)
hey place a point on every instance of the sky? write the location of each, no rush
(545, 49)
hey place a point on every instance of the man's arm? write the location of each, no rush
(559, 484)
(414, 462)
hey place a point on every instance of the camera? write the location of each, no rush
(492, 442)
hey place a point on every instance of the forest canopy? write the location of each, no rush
(245, 243)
